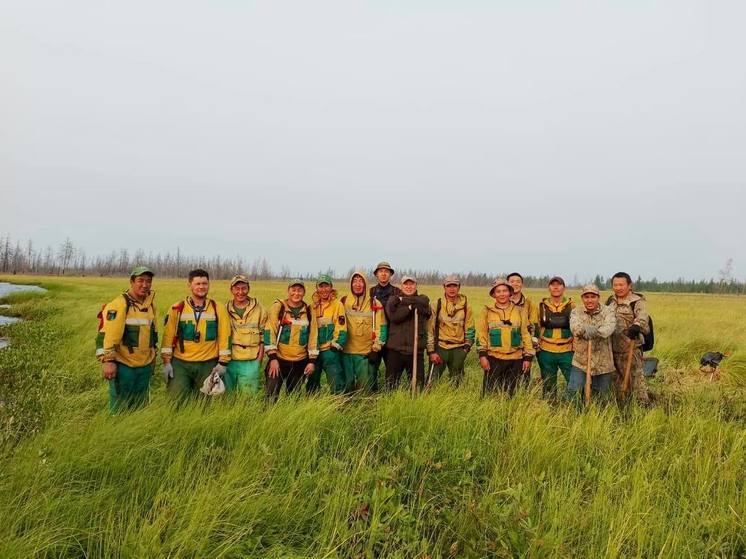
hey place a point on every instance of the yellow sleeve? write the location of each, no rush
(482, 335)
(224, 333)
(469, 326)
(114, 320)
(526, 341)
(169, 333)
(339, 338)
(313, 338)
(262, 323)
(431, 331)
(271, 328)
(381, 327)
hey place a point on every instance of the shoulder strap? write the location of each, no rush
(609, 300)
(466, 309)
(437, 323)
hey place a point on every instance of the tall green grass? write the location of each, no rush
(444, 475)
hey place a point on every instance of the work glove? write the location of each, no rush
(373, 357)
(591, 331)
(435, 358)
(634, 331)
(219, 369)
(168, 372)
(535, 342)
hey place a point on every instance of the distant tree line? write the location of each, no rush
(18, 257)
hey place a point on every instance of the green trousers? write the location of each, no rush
(329, 361)
(549, 363)
(188, 377)
(130, 388)
(242, 376)
(359, 372)
(454, 360)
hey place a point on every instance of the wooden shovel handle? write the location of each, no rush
(588, 377)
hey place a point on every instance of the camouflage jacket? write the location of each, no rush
(602, 359)
(625, 317)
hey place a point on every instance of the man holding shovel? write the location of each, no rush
(592, 363)
(632, 323)
(408, 314)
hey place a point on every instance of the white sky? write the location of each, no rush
(549, 137)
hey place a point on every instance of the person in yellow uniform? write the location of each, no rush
(248, 319)
(366, 335)
(451, 332)
(519, 298)
(291, 341)
(503, 341)
(555, 336)
(195, 339)
(127, 341)
(332, 325)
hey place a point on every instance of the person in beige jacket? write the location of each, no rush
(592, 324)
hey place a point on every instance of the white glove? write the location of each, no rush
(219, 369)
(168, 372)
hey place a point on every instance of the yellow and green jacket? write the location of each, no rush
(367, 328)
(331, 321)
(291, 334)
(503, 333)
(247, 331)
(555, 335)
(455, 324)
(188, 340)
(127, 332)
(532, 311)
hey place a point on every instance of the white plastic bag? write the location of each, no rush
(213, 385)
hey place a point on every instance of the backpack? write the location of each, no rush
(648, 340)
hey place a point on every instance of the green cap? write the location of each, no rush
(296, 282)
(141, 271)
(324, 278)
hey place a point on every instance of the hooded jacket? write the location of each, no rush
(331, 321)
(128, 334)
(247, 331)
(602, 360)
(455, 324)
(532, 313)
(400, 311)
(193, 340)
(503, 333)
(626, 317)
(367, 327)
(291, 333)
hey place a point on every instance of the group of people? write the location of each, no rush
(348, 337)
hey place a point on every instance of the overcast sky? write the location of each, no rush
(549, 137)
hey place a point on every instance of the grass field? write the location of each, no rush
(445, 475)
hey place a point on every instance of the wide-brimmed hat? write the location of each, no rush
(383, 264)
(500, 281)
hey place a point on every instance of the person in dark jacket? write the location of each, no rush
(382, 292)
(400, 310)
